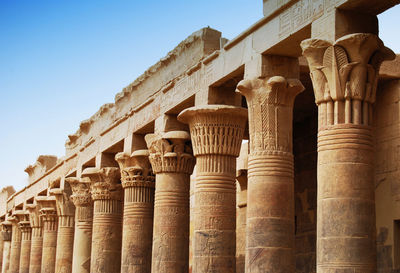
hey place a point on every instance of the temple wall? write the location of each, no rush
(305, 178)
(387, 182)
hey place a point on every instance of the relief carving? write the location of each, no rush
(270, 103)
(171, 152)
(345, 76)
(135, 169)
(104, 183)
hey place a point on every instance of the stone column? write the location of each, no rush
(83, 224)
(138, 183)
(26, 232)
(107, 195)
(270, 205)
(15, 251)
(172, 160)
(6, 234)
(49, 219)
(66, 224)
(35, 260)
(345, 76)
(216, 132)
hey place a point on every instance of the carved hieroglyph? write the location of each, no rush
(48, 214)
(35, 260)
(6, 229)
(15, 252)
(107, 195)
(83, 224)
(138, 183)
(345, 76)
(66, 225)
(173, 161)
(26, 232)
(216, 132)
(270, 207)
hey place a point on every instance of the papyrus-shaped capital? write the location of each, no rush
(171, 152)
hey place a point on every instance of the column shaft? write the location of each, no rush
(106, 236)
(138, 183)
(82, 245)
(106, 192)
(35, 260)
(216, 133)
(345, 76)
(82, 239)
(15, 252)
(6, 257)
(6, 236)
(171, 223)
(25, 247)
(49, 241)
(346, 200)
(137, 229)
(215, 214)
(173, 162)
(65, 243)
(270, 205)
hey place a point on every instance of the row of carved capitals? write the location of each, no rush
(6, 230)
(215, 129)
(171, 152)
(104, 183)
(135, 169)
(345, 76)
(81, 196)
(270, 102)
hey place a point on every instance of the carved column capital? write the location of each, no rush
(81, 196)
(104, 183)
(345, 76)
(215, 129)
(64, 203)
(23, 221)
(135, 169)
(6, 230)
(25, 226)
(270, 103)
(48, 215)
(171, 152)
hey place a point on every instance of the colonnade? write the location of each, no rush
(135, 218)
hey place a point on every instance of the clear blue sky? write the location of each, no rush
(61, 60)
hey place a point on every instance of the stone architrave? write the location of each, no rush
(270, 206)
(6, 233)
(15, 251)
(344, 76)
(26, 232)
(66, 226)
(35, 259)
(48, 214)
(216, 132)
(107, 195)
(138, 183)
(172, 160)
(83, 224)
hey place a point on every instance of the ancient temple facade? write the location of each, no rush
(276, 151)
